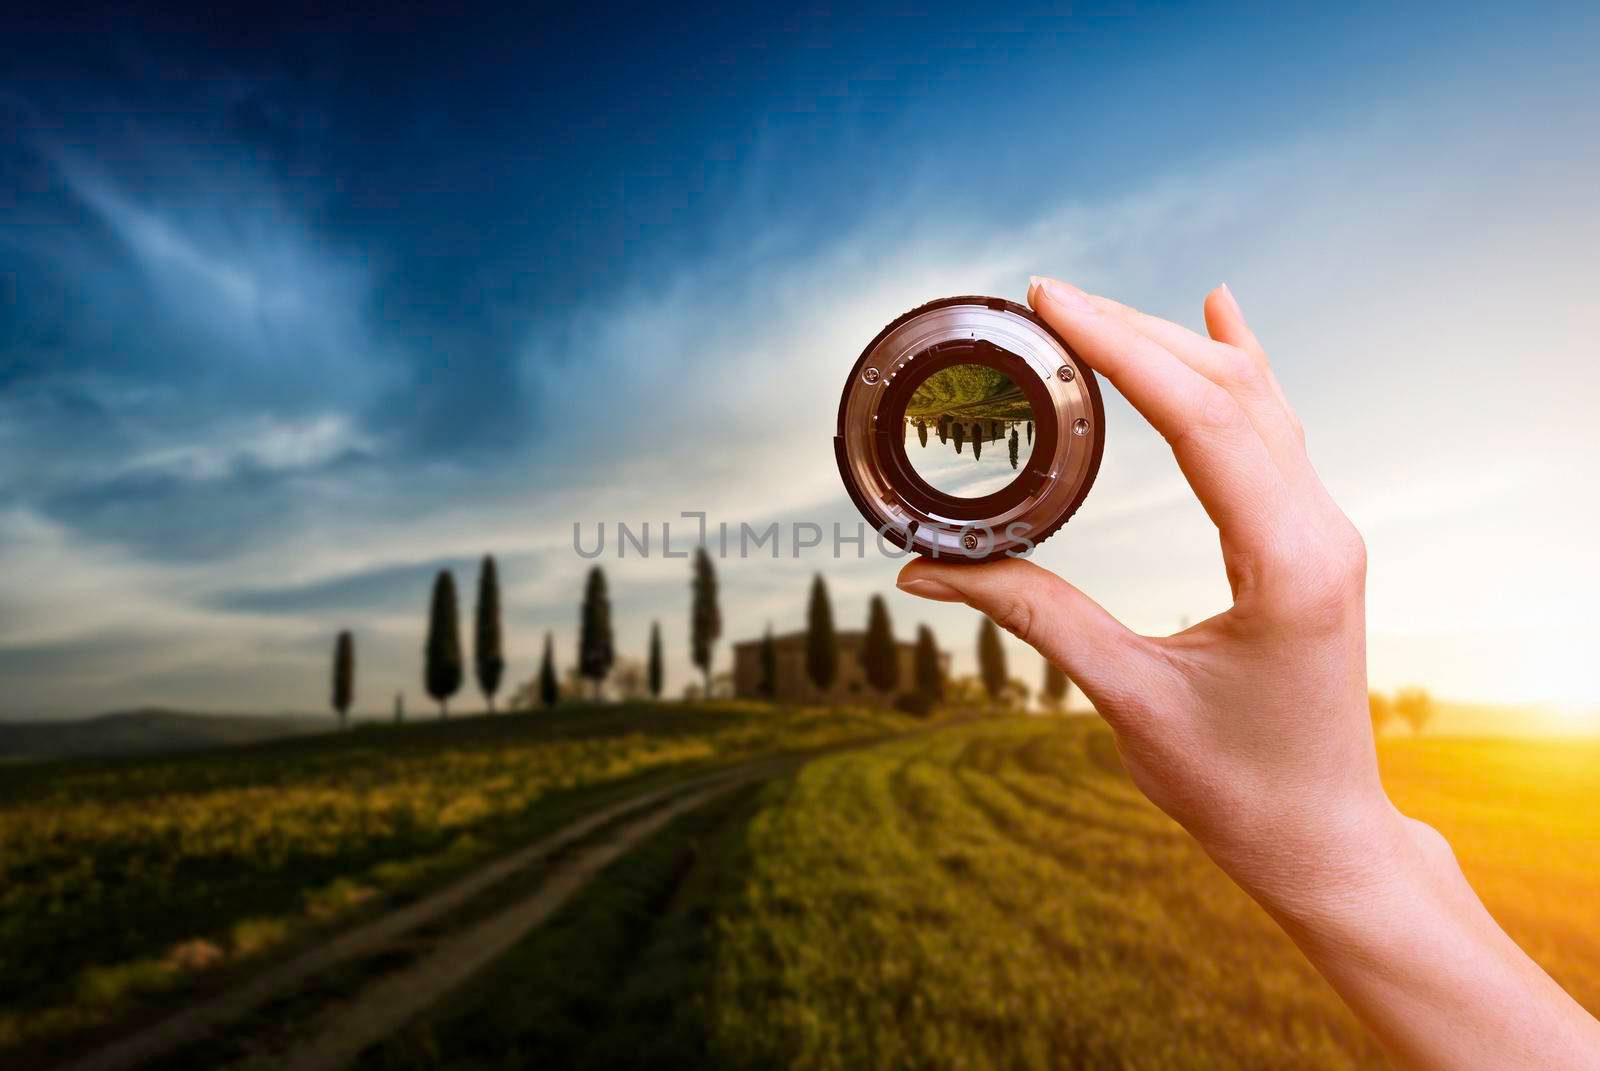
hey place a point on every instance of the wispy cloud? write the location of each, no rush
(259, 443)
(219, 470)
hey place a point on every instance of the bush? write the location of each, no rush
(914, 703)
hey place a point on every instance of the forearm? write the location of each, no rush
(1414, 953)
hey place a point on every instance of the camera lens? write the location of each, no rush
(969, 429)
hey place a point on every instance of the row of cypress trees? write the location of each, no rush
(881, 663)
(596, 647)
(996, 682)
(880, 660)
(597, 644)
(444, 662)
(444, 665)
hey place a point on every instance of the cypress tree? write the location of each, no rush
(769, 665)
(961, 436)
(705, 618)
(944, 429)
(879, 657)
(922, 432)
(822, 645)
(344, 675)
(1055, 687)
(991, 660)
(549, 685)
(489, 652)
(399, 707)
(977, 444)
(657, 671)
(444, 663)
(1030, 432)
(596, 650)
(1014, 447)
(930, 674)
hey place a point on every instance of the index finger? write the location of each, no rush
(1224, 459)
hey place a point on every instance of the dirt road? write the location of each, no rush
(389, 1001)
(388, 1004)
(202, 1019)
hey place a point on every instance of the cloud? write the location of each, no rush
(261, 444)
(1363, 255)
(250, 470)
(384, 589)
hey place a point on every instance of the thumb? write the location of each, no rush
(1056, 619)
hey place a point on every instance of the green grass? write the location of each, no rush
(968, 392)
(991, 896)
(130, 882)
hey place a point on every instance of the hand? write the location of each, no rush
(1251, 728)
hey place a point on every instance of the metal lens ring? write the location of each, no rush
(1062, 396)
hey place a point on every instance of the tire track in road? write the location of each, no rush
(387, 1004)
(201, 1020)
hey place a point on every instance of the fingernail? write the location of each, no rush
(924, 588)
(1062, 295)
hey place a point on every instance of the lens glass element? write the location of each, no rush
(969, 430)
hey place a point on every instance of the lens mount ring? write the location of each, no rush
(1068, 415)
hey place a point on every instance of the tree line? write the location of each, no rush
(444, 661)
(445, 667)
(977, 433)
(444, 664)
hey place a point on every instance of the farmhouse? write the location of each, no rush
(795, 686)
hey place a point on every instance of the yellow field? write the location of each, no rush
(987, 895)
(1524, 819)
(1000, 896)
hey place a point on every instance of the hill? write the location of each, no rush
(146, 731)
(126, 884)
(995, 895)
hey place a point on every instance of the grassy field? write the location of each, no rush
(992, 896)
(127, 882)
(968, 392)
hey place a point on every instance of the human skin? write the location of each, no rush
(1251, 729)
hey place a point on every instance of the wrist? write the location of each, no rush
(1332, 874)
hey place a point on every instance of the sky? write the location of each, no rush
(298, 309)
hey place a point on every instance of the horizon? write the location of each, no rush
(1453, 718)
(290, 321)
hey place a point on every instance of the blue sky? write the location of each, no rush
(296, 310)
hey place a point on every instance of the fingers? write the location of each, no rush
(1070, 629)
(1225, 322)
(1223, 457)
(1245, 375)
